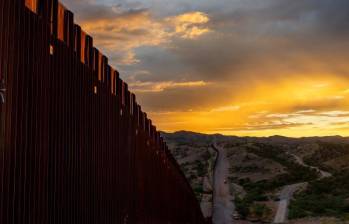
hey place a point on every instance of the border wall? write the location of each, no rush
(75, 146)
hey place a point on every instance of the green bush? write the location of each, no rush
(325, 197)
(260, 211)
(242, 206)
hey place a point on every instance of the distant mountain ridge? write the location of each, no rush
(274, 139)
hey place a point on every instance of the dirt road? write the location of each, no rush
(289, 190)
(323, 174)
(223, 207)
(285, 197)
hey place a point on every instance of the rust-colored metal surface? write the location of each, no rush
(75, 145)
(32, 5)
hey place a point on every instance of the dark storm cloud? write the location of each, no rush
(274, 29)
(254, 42)
(251, 41)
(284, 36)
(184, 99)
(89, 10)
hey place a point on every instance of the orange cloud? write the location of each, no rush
(161, 86)
(245, 69)
(127, 31)
(296, 107)
(190, 25)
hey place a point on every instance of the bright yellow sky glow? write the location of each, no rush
(247, 68)
(272, 109)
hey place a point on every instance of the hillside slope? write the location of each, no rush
(262, 168)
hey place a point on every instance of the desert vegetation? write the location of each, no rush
(261, 167)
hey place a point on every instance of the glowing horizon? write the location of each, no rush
(230, 67)
(305, 113)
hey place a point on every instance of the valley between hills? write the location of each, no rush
(271, 180)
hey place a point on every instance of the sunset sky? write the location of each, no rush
(237, 67)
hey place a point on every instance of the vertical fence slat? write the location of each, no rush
(75, 145)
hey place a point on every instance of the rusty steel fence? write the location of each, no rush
(75, 145)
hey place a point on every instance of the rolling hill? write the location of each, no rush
(260, 168)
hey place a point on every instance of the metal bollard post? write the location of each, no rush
(2, 95)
